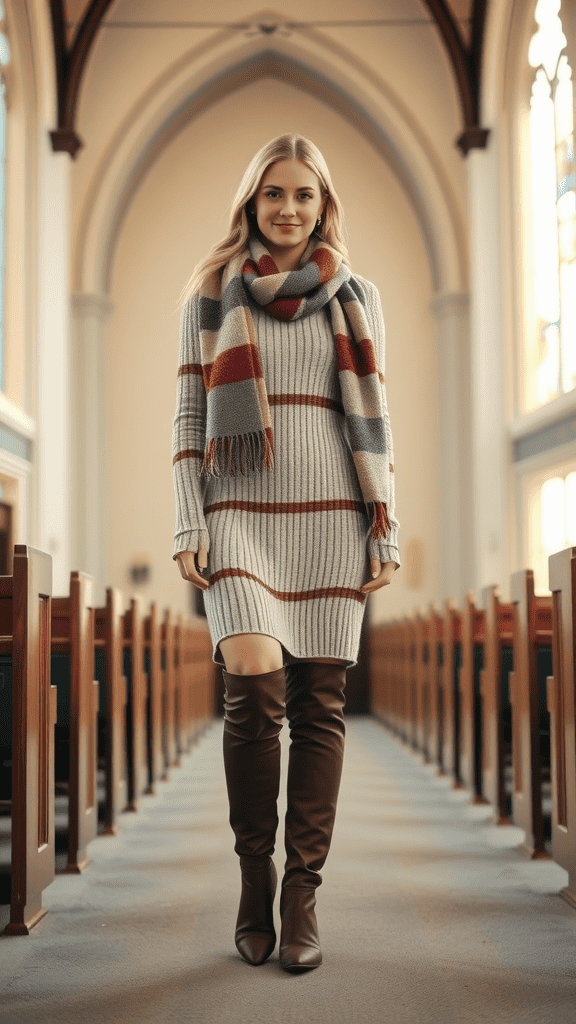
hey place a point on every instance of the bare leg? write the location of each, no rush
(251, 653)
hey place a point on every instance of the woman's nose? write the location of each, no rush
(287, 208)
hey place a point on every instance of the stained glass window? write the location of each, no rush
(552, 521)
(550, 365)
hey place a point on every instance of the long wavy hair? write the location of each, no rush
(243, 223)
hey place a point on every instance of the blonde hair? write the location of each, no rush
(284, 147)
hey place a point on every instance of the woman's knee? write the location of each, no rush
(251, 653)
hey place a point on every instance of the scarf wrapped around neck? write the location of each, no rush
(239, 435)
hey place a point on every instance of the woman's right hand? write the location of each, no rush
(187, 566)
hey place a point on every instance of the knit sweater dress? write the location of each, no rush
(288, 547)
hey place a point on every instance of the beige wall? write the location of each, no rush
(179, 211)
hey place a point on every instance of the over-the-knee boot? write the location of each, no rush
(314, 706)
(253, 712)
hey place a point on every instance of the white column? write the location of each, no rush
(90, 315)
(50, 376)
(489, 452)
(451, 311)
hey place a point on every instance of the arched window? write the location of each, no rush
(550, 331)
(4, 60)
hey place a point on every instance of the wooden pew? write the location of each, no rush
(472, 639)
(530, 718)
(170, 724)
(379, 660)
(194, 679)
(72, 667)
(450, 675)
(108, 641)
(30, 700)
(435, 695)
(182, 687)
(561, 691)
(154, 683)
(421, 683)
(411, 638)
(136, 731)
(389, 674)
(494, 690)
(382, 668)
(404, 693)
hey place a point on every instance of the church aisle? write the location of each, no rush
(427, 914)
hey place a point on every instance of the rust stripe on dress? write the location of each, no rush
(291, 595)
(303, 399)
(287, 507)
(187, 453)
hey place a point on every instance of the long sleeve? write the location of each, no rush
(384, 549)
(188, 436)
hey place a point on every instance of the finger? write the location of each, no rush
(197, 580)
(382, 579)
(190, 573)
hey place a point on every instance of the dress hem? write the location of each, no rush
(289, 657)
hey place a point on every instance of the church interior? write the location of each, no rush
(450, 892)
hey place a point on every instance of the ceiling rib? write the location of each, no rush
(466, 63)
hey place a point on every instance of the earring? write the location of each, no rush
(318, 221)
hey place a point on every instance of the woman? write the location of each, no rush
(283, 477)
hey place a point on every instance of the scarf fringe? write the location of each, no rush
(380, 524)
(237, 453)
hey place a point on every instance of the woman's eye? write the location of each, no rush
(303, 195)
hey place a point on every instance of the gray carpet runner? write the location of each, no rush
(428, 913)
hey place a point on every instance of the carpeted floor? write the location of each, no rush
(428, 914)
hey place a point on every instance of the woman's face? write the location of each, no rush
(288, 203)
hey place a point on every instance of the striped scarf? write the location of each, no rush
(239, 434)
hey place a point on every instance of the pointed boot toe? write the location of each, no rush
(255, 948)
(255, 935)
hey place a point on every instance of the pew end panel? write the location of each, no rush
(561, 694)
(153, 669)
(112, 706)
(73, 660)
(29, 593)
(530, 716)
(473, 634)
(494, 692)
(451, 663)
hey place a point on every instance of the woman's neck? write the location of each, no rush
(285, 259)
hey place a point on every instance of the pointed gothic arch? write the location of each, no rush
(312, 64)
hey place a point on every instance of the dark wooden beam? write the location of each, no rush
(70, 64)
(467, 65)
(466, 62)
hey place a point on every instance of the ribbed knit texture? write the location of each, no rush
(287, 547)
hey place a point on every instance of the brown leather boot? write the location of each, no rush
(314, 706)
(253, 712)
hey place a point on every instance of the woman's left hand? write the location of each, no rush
(385, 572)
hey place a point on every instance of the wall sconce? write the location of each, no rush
(139, 572)
(414, 563)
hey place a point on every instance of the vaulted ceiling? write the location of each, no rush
(75, 24)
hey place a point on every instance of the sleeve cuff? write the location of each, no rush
(191, 540)
(385, 552)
